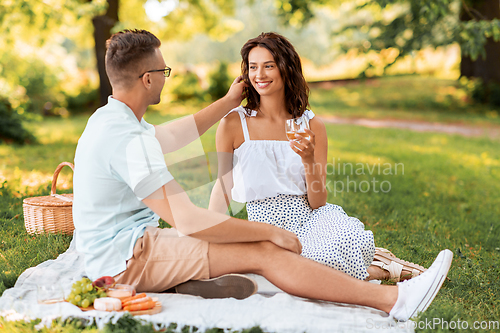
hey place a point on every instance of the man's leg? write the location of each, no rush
(297, 275)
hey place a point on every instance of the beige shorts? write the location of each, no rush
(162, 260)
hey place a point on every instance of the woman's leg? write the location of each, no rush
(386, 266)
(297, 275)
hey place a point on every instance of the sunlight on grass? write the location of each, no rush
(439, 140)
(28, 181)
(427, 150)
(29, 167)
(474, 161)
(351, 157)
(59, 130)
(447, 196)
(406, 97)
(50, 135)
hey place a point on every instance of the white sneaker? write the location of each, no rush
(415, 295)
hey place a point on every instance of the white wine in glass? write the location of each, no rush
(296, 126)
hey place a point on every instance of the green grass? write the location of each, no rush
(18, 249)
(447, 197)
(403, 97)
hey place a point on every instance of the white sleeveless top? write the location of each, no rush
(266, 168)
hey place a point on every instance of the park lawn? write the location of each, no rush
(418, 192)
(417, 98)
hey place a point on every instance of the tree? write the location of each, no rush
(102, 31)
(190, 17)
(71, 18)
(410, 25)
(486, 67)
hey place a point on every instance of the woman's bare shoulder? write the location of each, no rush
(229, 132)
(316, 123)
(231, 117)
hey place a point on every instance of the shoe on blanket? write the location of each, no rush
(225, 286)
(415, 295)
(386, 260)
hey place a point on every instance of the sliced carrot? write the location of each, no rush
(139, 300)
(140, 306)
(133, 297)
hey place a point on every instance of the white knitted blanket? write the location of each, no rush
(271, 309)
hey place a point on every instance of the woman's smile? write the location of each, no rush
(262, 84)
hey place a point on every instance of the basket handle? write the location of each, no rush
(56, 174)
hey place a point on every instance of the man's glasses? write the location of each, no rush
(166, 71)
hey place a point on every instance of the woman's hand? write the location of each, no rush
(304, 147)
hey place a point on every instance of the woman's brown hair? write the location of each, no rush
(289, 65)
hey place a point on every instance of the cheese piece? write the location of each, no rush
(119, 293)
(107, 304)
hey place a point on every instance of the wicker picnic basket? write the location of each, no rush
(52, 213)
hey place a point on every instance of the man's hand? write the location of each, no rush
(286, 240)
(235, 93)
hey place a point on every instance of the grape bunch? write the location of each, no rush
(83, 293)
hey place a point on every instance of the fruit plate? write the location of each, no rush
(155, 310)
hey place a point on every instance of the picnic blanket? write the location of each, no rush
(271, 309)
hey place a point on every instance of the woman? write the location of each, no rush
(282, 181)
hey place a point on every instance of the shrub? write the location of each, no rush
(484, 93)
(187, 86)
(11, 127)
(479, 93)
(38, 82)
(220, 81)
(494, 94)
(87, 100)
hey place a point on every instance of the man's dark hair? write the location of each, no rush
(127, 54)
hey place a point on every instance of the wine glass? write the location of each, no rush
(50, 293)
(297, 126)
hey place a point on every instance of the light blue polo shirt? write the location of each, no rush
(118, 162)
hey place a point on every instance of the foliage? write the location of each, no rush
(187, 86)
(72, 18)
(494, 94)
(84, 102)
(19, 19)
(59, 22)
(405, 25)
(35, 83)
(483, 93)
(296, 12)
(11, 127)
(189, 18)
(128, 323)
(220, 81)
(125, 324)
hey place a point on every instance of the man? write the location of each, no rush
(122, 185)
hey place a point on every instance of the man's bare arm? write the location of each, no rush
(173, 205)
(178, 133)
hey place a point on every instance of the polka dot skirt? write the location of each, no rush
(328, 235)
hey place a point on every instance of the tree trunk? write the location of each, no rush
(487, 69)
(102, 31)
